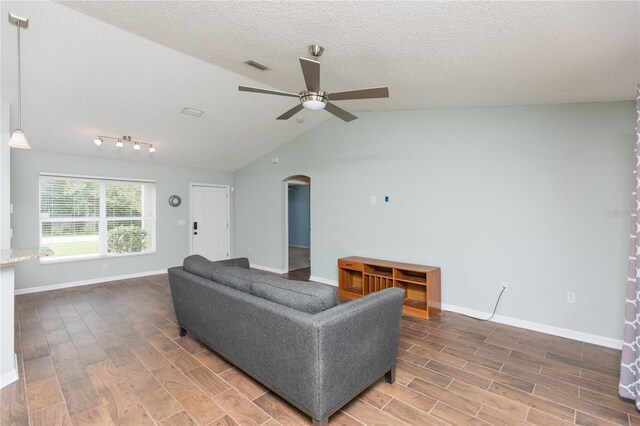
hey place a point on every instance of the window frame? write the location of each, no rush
(102, 220)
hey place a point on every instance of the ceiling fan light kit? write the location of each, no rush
(313, 101)
(18, 139)
(314, 98)
(137, 145)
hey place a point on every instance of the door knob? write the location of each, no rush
(195, 233)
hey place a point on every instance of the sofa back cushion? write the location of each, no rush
(199, 265)
(240, 262)
(203, 267)
(299, 295)
(234, 277)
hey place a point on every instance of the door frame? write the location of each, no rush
(285, 224)
(190, 231)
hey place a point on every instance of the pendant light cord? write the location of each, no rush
(19, 82)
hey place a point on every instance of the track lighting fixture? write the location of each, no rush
(120, 141)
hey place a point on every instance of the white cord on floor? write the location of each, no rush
(494, 309)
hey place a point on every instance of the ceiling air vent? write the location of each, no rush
(192, 111)
(255, 64)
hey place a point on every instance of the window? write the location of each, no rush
(83, 218)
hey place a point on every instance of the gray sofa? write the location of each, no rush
(289, 335)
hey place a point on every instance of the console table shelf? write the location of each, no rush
(359, 276)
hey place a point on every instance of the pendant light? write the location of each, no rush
(18, 140)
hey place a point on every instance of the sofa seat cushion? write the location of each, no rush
(299, 295)
(234, 277)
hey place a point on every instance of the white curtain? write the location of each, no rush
(629, 386)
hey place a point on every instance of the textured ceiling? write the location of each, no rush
(83, 76)
(430, 54)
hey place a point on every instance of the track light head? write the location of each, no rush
(98, 141)
(119, 144)
(136, 146)
(151, 148)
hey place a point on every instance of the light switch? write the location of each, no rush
(182, 222)
(373, 199)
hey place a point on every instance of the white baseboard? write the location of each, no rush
(269, 269)
(543, 328)
(323, 280)
(516, 322)
(293, 245)
(11, 376)
(86, 282)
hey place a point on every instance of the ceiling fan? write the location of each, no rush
(314, 98)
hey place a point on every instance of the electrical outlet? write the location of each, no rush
(571, 297)
(505, 286)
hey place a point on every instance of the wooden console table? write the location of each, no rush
(359, 276)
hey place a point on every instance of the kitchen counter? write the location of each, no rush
(14, 255)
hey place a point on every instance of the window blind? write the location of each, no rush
(94, 217)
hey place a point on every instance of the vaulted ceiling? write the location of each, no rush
(121, 68)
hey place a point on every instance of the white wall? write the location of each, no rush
(8, 372)
(519, 194)
(172, 240)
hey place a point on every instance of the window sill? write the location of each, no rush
(54, 261)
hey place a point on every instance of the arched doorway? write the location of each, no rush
(297, 226)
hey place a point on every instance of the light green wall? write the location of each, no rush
(516, 194)
(7, 354)
(172, 243)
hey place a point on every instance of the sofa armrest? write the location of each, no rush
(358, 342)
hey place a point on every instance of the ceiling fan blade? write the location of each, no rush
(339, 112)
(293, 111)
(267, 91)
(374, 92)
(311, 72)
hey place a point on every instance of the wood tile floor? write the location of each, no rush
(110, 354)
(299, 258)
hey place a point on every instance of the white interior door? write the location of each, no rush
(210, 222)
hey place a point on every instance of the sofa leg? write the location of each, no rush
(321, 422)
(390, 376)
(183, 332)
